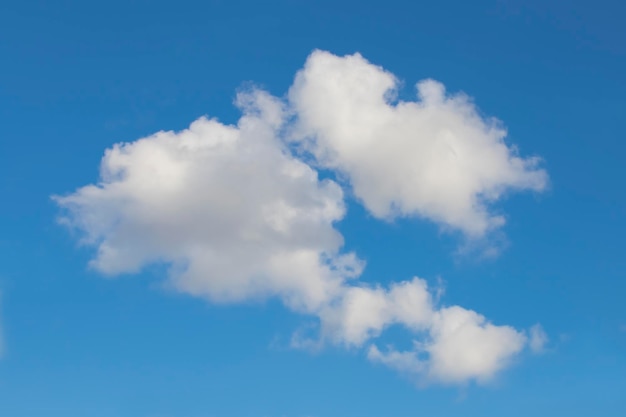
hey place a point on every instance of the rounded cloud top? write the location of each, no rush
(436, 157)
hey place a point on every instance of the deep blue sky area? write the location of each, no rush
(78, 76)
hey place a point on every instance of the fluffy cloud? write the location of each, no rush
(462, 345)
(436, 157)
(236, 215)
(363, 313)
(227, 207)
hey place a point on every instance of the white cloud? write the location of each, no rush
(437, 157)
(462, 345)
(363, 312)
(237, 216)
(407, 362)
(465, 345)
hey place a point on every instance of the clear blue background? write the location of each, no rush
(78, 76)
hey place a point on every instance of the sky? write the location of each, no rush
(324, 209)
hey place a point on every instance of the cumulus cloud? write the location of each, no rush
(227, 207)
(436, 157)
(236, 215)
(462, 345)
(363, 313)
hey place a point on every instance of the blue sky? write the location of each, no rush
(160, 328)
